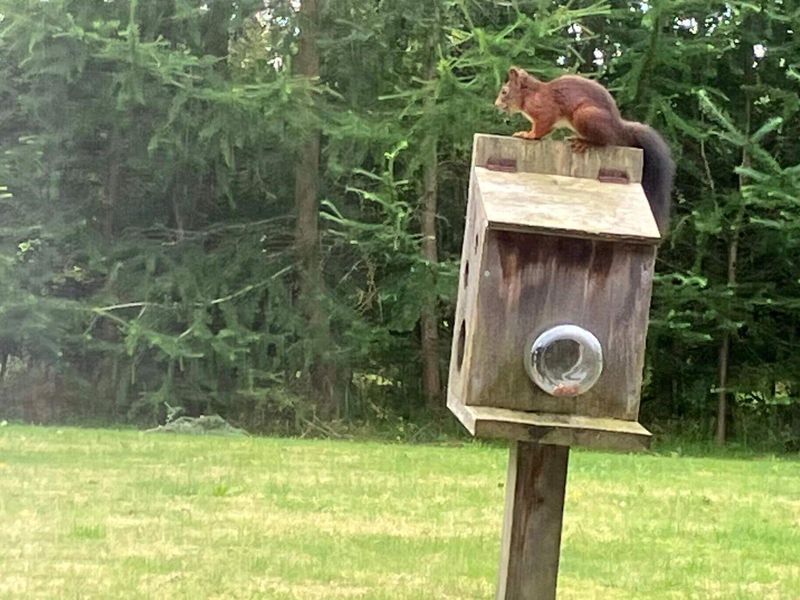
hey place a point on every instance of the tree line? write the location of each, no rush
(255, 208)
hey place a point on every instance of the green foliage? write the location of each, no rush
(146, 247)
(144, 262)
(726, 270)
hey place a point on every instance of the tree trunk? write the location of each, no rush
(722, 398)
(431, 378)
(733, 257)
(112, 184)
(429, 313)
(322, 371)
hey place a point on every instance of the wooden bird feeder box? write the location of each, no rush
(549, 338)
(558, 251)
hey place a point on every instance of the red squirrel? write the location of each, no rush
(588, 109)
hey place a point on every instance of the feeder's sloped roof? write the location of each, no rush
(570, 206)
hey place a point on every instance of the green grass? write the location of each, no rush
(110, 514)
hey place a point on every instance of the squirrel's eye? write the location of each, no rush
(505, 92)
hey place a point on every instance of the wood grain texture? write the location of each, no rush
(556, 157)
(530, 283)
(466, 320)
(531, 542)
(546, 428)
(567, 206)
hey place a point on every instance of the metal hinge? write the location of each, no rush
(509, 165)
(613, 176)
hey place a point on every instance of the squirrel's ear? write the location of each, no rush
(513, 73)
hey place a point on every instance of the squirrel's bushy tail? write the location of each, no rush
(658, 171)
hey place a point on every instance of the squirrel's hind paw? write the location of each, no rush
(579, 145)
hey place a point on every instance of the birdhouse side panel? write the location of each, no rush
(466, 304)
(532, 282)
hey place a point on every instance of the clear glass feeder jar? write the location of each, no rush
(565, 360)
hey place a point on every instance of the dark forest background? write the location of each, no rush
(255, 208)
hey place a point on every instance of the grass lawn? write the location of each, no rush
(110, 514)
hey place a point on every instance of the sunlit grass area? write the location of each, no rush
(123, 514)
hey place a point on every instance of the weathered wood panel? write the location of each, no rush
(533, 282)
(566, 206)
(555, 157)
(546, 428)
(466, 321)
(530, 547)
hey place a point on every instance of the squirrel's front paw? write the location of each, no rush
(525, 135)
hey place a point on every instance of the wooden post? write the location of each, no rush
(529, 551)
(552, 237)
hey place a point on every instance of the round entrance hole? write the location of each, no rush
(564, 361)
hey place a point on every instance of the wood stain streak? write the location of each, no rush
(591, 283)
(534, 510)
